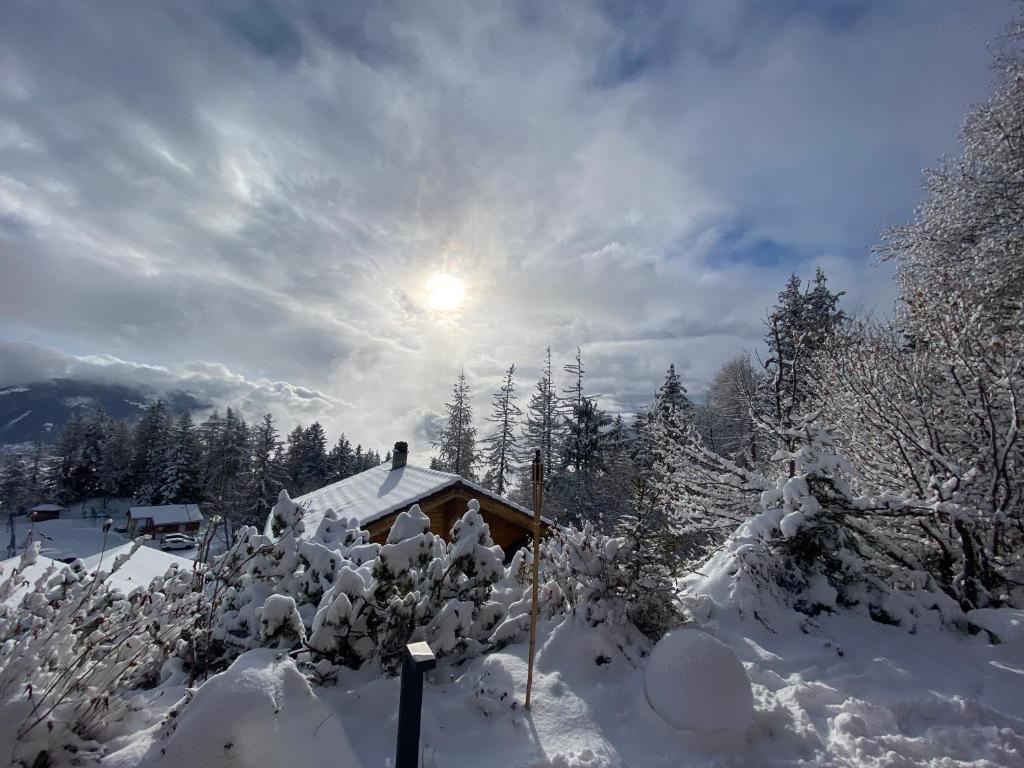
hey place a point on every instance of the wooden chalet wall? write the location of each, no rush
(510, 528)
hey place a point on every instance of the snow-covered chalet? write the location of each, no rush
(378, 495)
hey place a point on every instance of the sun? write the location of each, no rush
(445, 292)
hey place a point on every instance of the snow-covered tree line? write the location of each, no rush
(234, 468)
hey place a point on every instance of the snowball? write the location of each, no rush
(697, 683)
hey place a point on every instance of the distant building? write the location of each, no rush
(168, 518)
(41, 512)
(377, 496)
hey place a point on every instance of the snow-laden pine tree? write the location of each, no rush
(181, 470)
(228, 468)
(80, 454)
(314, 469)
(576, 490)
(341, 460)
(267, 476)
(116, 465)
(800, 324)
(648, 524)
(573, 413)
(151, 435)
(673, 413)
(501, 451)
(456, 445)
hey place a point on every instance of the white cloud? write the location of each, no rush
(270, 186)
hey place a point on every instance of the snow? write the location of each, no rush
(67, 538)
(838, 689)
(1007, 624)
(850, 693)
(167, 514)
(26, 577)
(46, 508)
(15, 420)
(260, 713)
(380, 491)
(696, 683)
(140, 569)
(12, 390)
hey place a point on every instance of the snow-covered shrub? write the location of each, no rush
(280, 623)
(606, 579)
(809, 549)
(75, 648)
(341, 601)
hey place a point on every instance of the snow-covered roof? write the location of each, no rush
(140, 569)
(381, 490)
(46, 508)
(168, 514)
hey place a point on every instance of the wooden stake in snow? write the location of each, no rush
(417, 660)
(538, 497)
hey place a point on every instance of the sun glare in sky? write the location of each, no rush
(445, 292)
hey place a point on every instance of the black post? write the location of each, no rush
(418, 659)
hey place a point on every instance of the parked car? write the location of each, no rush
(177, 541)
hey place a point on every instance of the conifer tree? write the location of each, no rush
(341, 460)
(116, 479)
(541, 429)
(799, 325)
(456, 446)
(181, 470)
(267, 477)
(501, 451)
(314, 469)
(147, 460)
(572, 411)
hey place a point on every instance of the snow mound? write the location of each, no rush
(1007, 624)
(260, 713)
(697, 683)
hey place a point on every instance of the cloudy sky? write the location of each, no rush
(254, 198)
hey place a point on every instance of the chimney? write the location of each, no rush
(399, 455)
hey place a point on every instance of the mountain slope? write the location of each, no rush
(38, 411)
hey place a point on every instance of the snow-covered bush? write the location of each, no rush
(75, 647)
(605, 579)
(809, 548)
(340, 601)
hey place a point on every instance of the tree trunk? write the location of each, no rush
(969, 598)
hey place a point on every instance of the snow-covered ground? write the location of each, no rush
(851, 693)
(76, 537)
(838, 689)
(67, 538)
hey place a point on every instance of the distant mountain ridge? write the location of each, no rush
(37, 412)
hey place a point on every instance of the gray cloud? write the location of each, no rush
(270, 185)
(24, 363)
